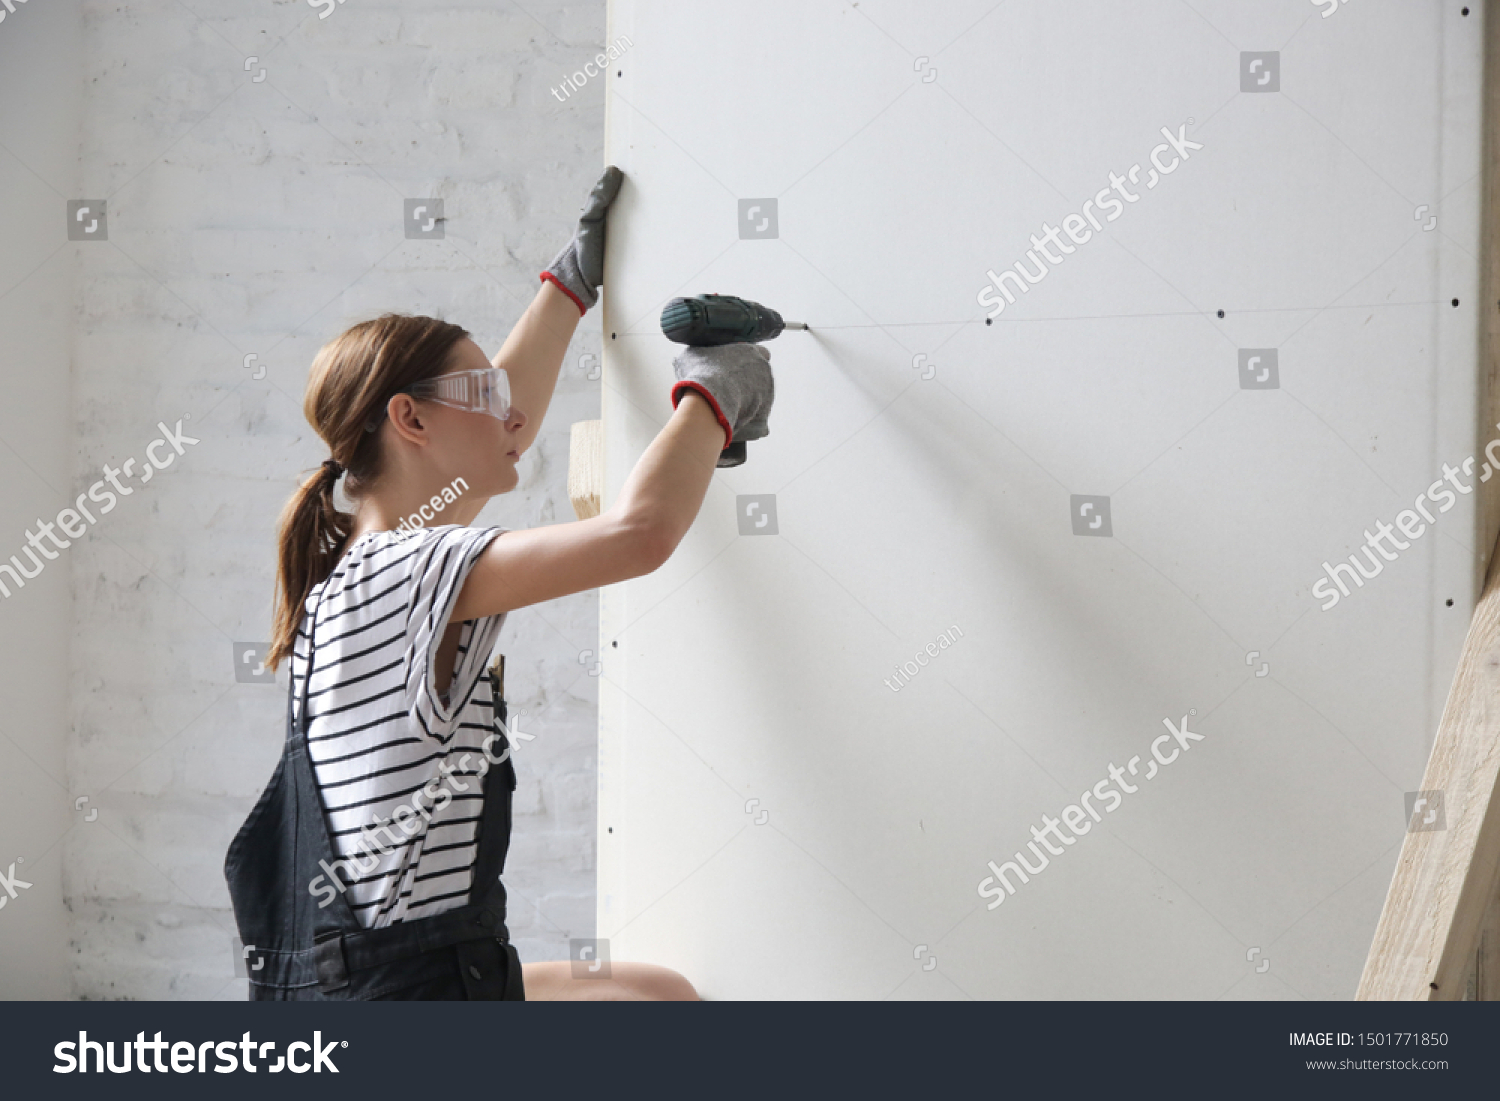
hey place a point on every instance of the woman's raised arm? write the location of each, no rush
(632, 537)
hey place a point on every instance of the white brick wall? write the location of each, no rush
(264, 217)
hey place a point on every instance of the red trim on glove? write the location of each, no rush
(548, 277)
(689, 384)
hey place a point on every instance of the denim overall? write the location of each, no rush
(298, 952)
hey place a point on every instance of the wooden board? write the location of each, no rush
(1439, 932)
(586, 467)
(1445, 880)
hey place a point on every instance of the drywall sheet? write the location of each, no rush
(1035, 565)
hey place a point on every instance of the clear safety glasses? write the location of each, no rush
(484, 390)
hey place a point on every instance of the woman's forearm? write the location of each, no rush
(664, 492)
(533, 353)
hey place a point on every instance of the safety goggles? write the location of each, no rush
(483, 390)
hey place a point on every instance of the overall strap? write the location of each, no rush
(306, 781)
(499, 785)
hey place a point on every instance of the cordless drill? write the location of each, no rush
(707, 320)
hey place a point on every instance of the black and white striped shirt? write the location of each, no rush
(381, 732)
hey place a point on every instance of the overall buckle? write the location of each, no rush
(328, 955)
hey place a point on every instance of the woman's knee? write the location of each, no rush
(553, 980)
(654, 982)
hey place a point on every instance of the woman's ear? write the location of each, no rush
(405, 419)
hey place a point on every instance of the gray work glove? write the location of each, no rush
(579, 268)
(736, 380)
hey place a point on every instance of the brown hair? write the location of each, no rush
(352, 379)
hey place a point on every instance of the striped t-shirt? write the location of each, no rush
(381, 732)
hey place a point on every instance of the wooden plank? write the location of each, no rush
(586, 467)
(1484, 985)
(1446, 878)
(1439, 933)
(1484, 982)
(1488, 407)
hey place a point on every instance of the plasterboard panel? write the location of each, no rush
(776, 818)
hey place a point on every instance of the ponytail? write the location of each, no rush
(352, 379)
(311, 539)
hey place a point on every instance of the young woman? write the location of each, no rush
(370, 867)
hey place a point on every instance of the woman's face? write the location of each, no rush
(477, 447)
